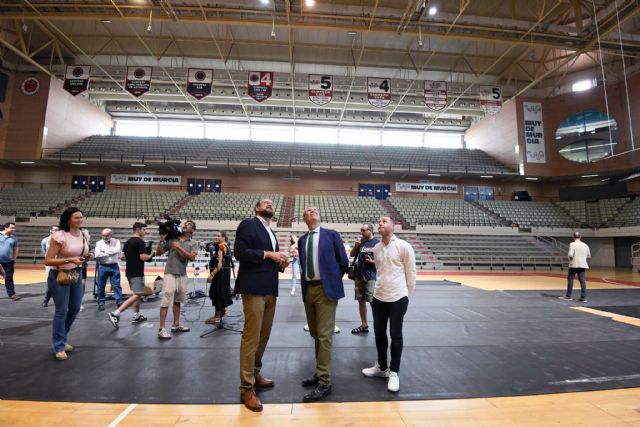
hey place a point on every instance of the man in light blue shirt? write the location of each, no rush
(8, 255)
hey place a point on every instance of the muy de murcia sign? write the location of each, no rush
(426, 187)
(145, 179)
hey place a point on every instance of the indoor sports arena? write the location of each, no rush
(320, 212)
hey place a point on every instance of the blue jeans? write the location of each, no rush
(109, 271)
(295, 268)
(8, 278)
(583, 284)
(67, 300)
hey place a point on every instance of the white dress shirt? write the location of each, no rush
(578, 254)
(267, 226)
(395, 270)
(316, 263)
(108, 251)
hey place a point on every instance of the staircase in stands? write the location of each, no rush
(395, 215)
(181, 203)
(286, 213)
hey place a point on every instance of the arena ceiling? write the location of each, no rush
(532, 47)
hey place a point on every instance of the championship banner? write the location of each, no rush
(320, 89)
(379, 92)
(260, 85)
(491, 99)
(76, 78)
(199, 82)
(534, 132)
(426, 187)
(138, 80)
(435, 95)
(145, 179)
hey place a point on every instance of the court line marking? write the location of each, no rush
(123, 415)
(597, 379)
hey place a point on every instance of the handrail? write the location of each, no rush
(555, 243)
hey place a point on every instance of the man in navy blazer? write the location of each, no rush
(323, 262)
(256, 247)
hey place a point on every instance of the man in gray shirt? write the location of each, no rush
(180, 252)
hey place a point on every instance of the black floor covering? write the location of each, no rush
(458, 342)
(623, 310)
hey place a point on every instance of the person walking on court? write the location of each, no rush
(135, 255)
(396, 280)
(365, 273)
(107, 258)
(8, 255)
(578, 255)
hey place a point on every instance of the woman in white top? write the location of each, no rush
(68, 249)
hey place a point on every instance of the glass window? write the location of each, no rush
(227, 131)
(136, 128)
(587, 136)
(317, 134)
(442, 140)
(395, 138)
(359, 136)
(272, 133)
(172, 129)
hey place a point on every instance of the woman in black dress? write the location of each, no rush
(219, 276)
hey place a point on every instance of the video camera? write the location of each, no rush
(170, 228)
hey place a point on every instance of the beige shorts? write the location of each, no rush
(174, 288)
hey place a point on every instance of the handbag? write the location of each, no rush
(67, 277)
(351, 273)
(70, 277)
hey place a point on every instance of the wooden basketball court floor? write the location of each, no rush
(618, 407)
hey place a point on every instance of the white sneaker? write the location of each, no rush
(336, 329)
(163, 334)
(306, 327)
(293, 292)
(375, 371)
(394, 382)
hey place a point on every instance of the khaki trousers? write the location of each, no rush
(258, 319)
(321, 317)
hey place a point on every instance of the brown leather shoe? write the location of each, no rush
(262, 382)
(251, 401)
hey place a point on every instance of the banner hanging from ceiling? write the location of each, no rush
(435, 95)
(76, 78)
(534, 132)
(138, 80)
(379, 91)
(260, 85)
(320, 89)
(491, 99)
(199, 82)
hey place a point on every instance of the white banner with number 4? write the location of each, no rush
(379, 91)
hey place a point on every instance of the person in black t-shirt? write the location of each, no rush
(135, 254)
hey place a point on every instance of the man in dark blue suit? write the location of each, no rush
(323, 262)
(256, 247)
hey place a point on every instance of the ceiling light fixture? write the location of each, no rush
(27, 163)
(589, 176)
(309, 3)
(149, 27)
(420, 42)
(264, 1)
(530, 178)
(320, 170)
(261, 169)
(106, 21)
(78, 163)
(199, 166)
(377, 172)
(138, 165)
(351, 33)
(486, 176)
(273, 28)
(433, 10)
(433, 174)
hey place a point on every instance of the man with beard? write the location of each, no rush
(256, 247)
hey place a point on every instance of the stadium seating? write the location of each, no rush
(441, 212)
(531, 214)
(341, 209)
(119, 148)
(629, 214)
(27, 202)
(226, 206)
(611, 209)
(130, 204)
(575, 209)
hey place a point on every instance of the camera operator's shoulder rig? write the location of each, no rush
(170, 228)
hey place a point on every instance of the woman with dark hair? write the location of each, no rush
(294, 261)
(68, 249)
(220, 277)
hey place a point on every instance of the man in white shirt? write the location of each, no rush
(44, 246)
(578, 255)
(395, 282)
(107, 258)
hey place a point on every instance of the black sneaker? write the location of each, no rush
(114, 320)
(100, 307)
(45, 303)
(138, 319)
(582, 300)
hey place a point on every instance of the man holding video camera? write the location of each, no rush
(180, 249)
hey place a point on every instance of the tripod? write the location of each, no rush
(221, 326)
